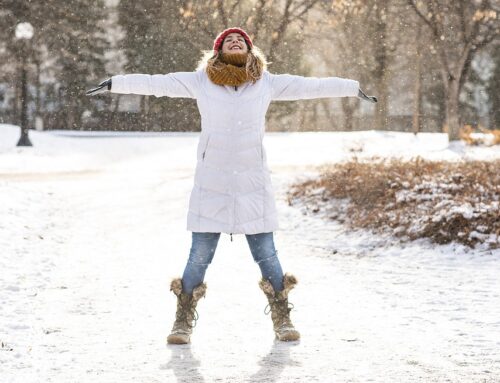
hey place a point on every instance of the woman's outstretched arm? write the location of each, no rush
(177, 84)
(290, 87)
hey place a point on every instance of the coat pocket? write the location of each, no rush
(261, 137)
(203, 154)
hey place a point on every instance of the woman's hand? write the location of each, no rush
(365, 97)
(103, 87)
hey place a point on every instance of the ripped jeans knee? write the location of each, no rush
(200, 256)
(265, 255)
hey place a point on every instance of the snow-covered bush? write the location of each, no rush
(443, 201)
(483, 137)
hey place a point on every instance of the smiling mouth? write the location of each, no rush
(236, 47)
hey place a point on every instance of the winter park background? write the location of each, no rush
(389, 213)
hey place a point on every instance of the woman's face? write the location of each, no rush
(234, 43)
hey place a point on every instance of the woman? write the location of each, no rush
(232, 190)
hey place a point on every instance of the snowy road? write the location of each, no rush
(93, 229)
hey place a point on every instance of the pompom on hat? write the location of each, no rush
(220, 38)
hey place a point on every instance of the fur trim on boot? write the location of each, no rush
(289, 282)
(176, 286)
(280, 312)
(186, 315)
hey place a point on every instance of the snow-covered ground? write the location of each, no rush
(92, 229)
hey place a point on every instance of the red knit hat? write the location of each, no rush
(220, 38)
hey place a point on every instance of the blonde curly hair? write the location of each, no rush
(255, 65)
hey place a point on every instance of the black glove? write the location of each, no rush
(365, 97)
(103, 87)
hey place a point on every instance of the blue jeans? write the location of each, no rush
(203, 250)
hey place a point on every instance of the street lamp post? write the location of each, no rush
(24, 32)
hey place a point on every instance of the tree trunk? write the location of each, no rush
(417, 102)
(381, 107)
(116, 103)
(303, 125)
(452, 115)
(326, 105)
(76, 114)
(417, 96)
(70, 117)
(37, 85)
(279, 33)
(348, 110)
(16, 95)
(315, 116)
(380, 72)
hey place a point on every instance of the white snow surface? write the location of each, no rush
(92, 230)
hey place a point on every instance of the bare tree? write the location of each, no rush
(379, 25)
(65, 46)
(345, 28)
(460, 28)
(417, 96)
(363, 30)
(291, 12)
(492, 89)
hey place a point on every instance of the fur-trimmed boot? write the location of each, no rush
(186, 311)
(280, 312)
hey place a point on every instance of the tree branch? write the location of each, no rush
(280, 31)
(421, 15)
(434, 26)
(222, 12)
(304, 11)
(463, 20)
(259, 18)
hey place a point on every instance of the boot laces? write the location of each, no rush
(279, 308)
(182, 315)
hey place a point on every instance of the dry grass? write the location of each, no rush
(442, 201)
(480, 137)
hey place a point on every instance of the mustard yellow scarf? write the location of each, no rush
(231, 70)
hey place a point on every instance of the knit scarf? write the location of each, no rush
(231, 70)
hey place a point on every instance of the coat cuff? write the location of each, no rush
(118, 84)
(352, 88)
(338, 87)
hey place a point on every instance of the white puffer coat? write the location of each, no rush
(232, 190)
